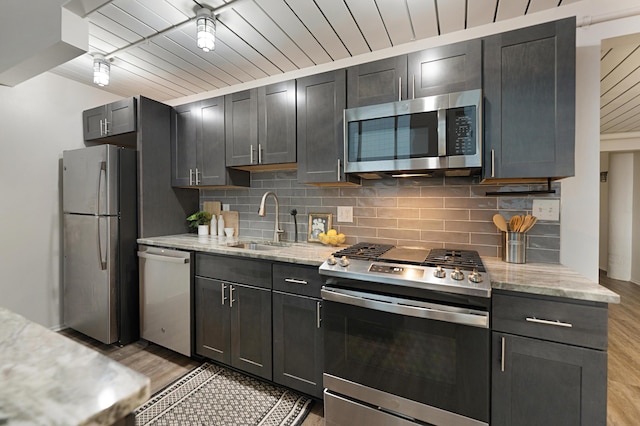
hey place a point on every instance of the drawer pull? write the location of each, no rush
(548, 322)
(295, 281)
(502, 344)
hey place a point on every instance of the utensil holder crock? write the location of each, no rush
(514, 247)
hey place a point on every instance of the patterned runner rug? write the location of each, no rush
(213, 395)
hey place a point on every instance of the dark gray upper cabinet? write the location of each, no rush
(529, 102)
(109, 120)
(439, 70)
(198, 146)
(162, 208)
(377, 82)
(241, 127)
(445, 69)
(320, 102)
(549, 363)
(277, 123)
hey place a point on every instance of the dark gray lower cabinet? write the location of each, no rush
(297, 343)
(549, 363)
(298, 356)
(540, 383)
(233, 325)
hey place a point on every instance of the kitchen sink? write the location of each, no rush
(262, 245)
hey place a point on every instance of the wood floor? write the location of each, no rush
(163, 366)
(623, 402)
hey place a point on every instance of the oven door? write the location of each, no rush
(434, 357)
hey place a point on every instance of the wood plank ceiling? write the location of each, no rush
(260, 38)
(620, 85)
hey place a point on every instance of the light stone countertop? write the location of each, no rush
(312, 254)
(48, 379)
(534, 278)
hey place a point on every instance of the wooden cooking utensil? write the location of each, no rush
(532, 221)
(514, 223)
(500, 222)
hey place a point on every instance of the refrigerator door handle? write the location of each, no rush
(102, 259)
(103, 172)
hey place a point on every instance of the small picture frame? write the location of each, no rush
(318, 222)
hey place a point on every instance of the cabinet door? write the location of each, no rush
(241, 128)
(121, 117)
(93, 122)
(445, 69)
(529, 102)
(320, 101)
(298, 359)
(210, 142)
(377, 82)
(183, 144)
(277, 123)
(212, 319)
(251, 329)
(540, 383)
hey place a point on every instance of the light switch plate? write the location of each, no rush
(345, 214)
(546, 209)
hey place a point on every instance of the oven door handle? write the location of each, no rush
(400, 306)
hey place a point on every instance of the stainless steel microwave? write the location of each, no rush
(440, 132)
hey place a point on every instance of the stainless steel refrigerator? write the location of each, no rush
(100, 230)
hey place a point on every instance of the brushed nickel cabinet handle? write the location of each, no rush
(190, 177)
(399, 88)
(197, 179)
(223, 287)
(231, 296)
(413, 88)
(318, 317)
(549, 322)
(295, 281)
(250, 154)
(259, 153)
(339, 177)
(502, 354)
(493, 163)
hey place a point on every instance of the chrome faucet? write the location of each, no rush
(261, 212)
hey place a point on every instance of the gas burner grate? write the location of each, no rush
(364, 251)
(463, 259)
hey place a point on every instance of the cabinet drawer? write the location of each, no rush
(232, 269)
(560, 320)
(296, 279)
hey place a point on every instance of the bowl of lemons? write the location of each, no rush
(331, 237)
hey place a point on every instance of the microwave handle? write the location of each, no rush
(442, 132)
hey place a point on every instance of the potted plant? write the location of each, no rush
(200, 220)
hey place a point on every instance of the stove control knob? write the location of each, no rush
(439, 272)
(457, 274)
(475, 276)
(343, 261)
(331, 260)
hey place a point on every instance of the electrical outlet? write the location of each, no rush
(546, 209)
(226, 207)
(345, 214)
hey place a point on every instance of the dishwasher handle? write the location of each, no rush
(162, 258)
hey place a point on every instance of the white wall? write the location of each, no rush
(38, 120)
(620, 218)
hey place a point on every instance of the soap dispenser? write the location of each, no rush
(220, 225)
(213, 228)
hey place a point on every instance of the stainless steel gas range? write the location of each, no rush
(407, 336)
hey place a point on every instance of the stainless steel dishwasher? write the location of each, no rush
(165, 297)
